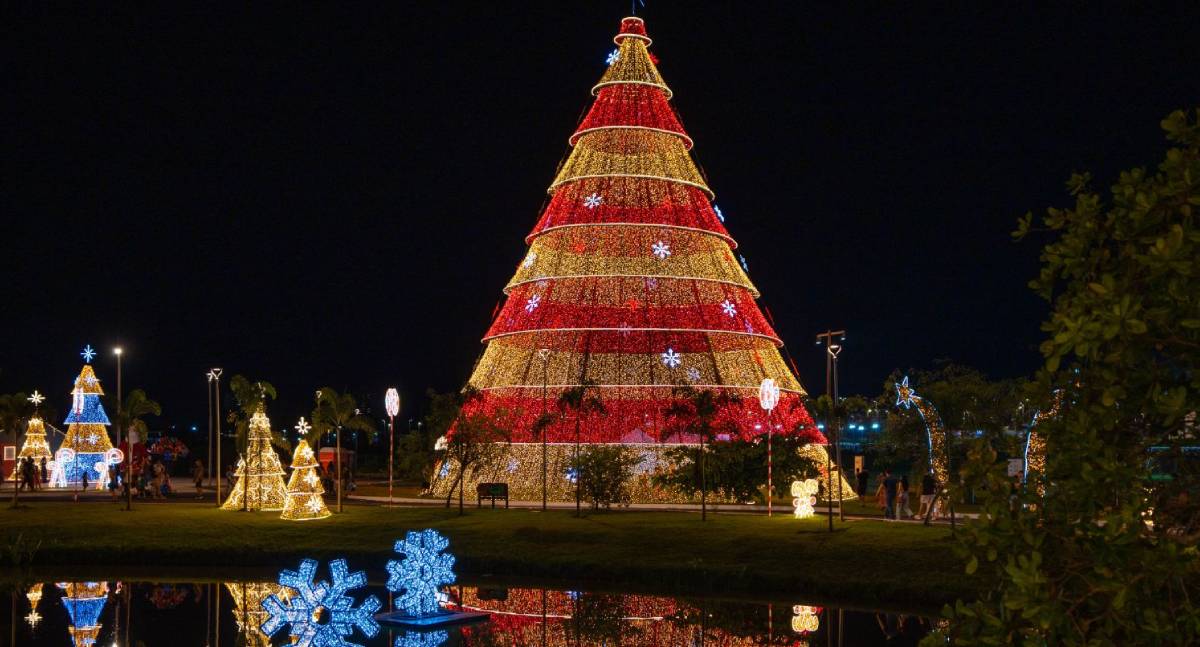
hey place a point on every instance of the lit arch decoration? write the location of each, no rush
(1035, 443)
(935, 431)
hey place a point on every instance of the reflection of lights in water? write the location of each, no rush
(805, 619)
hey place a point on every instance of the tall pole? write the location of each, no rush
(768, 397)
(831, 351)
(391, 401)
(128, 441)
(209, 389)
(770, 485)
(216, 373)
(338, 457)
(835, 350)
(544, 353)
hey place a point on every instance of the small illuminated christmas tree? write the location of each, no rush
(304, 488)
(86, 422)
(259, 473)
(248, 609)
(35, 445)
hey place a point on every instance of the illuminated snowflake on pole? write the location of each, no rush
(661, 250)
(414, 639)
(533, 302)
(87, 353)
(422, 572)
(671, 358)
(592, 201)
(728, 307)
(321, 614)
(613, 56)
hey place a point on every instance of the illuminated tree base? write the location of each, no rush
(520, 466)
(248, 609)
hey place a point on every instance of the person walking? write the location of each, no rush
(891, 487)
(198, 478)
(83, 480)
(928, 488)
(902, 509)
(157, 484)
(45, 472)
(881, 495)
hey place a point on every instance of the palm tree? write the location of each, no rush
(336, 411)
(134, 406)
(248, 395)
(14, 411)
(584, 400)
(700, 413)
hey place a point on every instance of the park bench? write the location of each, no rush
(491, 491)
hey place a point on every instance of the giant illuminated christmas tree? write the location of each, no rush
(259, 472)
(630, 283)
(86, 422)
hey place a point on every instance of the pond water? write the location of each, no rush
(139, 613)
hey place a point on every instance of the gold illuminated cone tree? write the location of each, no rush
(630, 284)
(248, 609)
(304, 488)
(35, 445)
(259, 473)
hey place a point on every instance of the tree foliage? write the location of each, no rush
(1081, 565)
(248, 394)
(601, 474)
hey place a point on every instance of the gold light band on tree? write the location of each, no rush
(648, 252)
(631, 153)
(512, 360)
(616, 291)
(633, 65)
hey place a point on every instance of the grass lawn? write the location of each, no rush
(863, 562)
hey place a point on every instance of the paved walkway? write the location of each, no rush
(185, 492)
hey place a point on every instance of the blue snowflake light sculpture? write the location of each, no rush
(424, 570)
(321, 614)
(415, 639)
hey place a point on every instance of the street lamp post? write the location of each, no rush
(831, 353)
(544, 354)
(128, 441)
(215, 376)
(768, 397)
(834, 350)
(392, 401)
(208, 391)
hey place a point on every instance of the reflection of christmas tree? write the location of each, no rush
(259, 472)
(248, 609)
(35, 445)
(84, 602)
(34, 596)
(86, 422)
(304, 489)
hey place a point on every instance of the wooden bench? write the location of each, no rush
(491, 491)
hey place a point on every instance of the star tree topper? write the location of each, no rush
(321, 614)
(424, 570)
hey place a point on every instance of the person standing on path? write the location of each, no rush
(891, 487)
(928, 487)
(198, 478)
(902, 509)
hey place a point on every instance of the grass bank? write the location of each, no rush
(863, 562)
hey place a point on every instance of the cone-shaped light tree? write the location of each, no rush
(86, 424)
(259, 475)
(304, 488)
(35, 445)
(631, 284)
(84, 602)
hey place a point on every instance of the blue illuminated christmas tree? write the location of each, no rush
(87, 433)
(84, 602)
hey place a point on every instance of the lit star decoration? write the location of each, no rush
(671, 358)
(661, 250)
(592, 201)
(414, 639)
(531, 304)
(302, 427)
(37, 398)
(321, 614)
(728, 307)
(613, 56)
(421, 574)
(88, 354)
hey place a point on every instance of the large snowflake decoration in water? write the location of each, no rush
(422, 572)
(414, 639)
(321, 614)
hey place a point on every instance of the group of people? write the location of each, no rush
(30, 474)
(892, 494)
(150, 480)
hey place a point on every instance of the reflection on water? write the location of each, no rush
(144, 614)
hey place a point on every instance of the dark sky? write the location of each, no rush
(335, 194)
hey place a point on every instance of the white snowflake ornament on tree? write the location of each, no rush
(592, 201)
(729, 308)
(613, 56)
(419, 577)
(671, 358)
(321, 614)
(661, 250)
(533, 302)
(693, 374)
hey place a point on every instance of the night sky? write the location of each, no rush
(335, 194)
